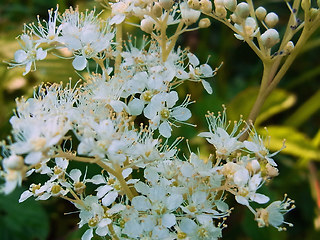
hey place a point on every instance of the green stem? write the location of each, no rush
(119, 48)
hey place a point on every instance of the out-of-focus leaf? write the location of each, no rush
(26, 220)
(278, 101)
(305, 111)
(297, 144)
(316, 143)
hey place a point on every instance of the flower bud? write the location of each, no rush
(234, 18)
(206, 6)
(261, 13)
(166, 4)
(305, 5)
(194, 4)
(204, 23)
(230, 4)
(253, 166)
(218, 2)
(14, 162)
(289, 47)
(271, 171)
(146, 25)
(157, 10)
(271, 19)
(189, 15)
(270, 37)
(220, 11)
(242, 10)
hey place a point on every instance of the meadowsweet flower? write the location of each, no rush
(224, 143)
(29, 54)
(161, 110)
(273, 214)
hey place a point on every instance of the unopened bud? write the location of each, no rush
(242, 10)
(253, 166)
(189, 15)
(270, 37)
(261, 13)
(14, 162)
(271, 171)
(218, 2)
(206, 6)
(234, 18)
(230, 4)
(194, 4)
(289, 47)
(166, 4)
(157, 10)
(220, 11)
(204, 23)
(271, 19)
(305, 5)
(146, 25)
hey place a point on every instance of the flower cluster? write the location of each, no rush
(121, 117)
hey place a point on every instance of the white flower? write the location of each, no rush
(248, 29)
(29, 54)
(224, 143)
(273, 214)
(161, 110)
(257, 147)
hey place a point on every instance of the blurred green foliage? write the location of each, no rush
(291, 112)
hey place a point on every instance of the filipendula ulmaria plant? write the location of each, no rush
(175, 198)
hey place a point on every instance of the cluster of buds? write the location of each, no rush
(145, 190)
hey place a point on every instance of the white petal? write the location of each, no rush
(126, 172)
(109, 198)
(193, 59)
(98, 179)
(260, 198)
(207, 86)
(28, 68)
(174, 201)
(20, 56)
(172, 98)
(168, 220)
(136, 106)
(187, 225)
(117, 19)
(41, 54)
(242, 200)
(87, 235)
(25, 195)
(241, 177)
(118, 106)
(75, 175)
(181, 114)
(206, 70)
(251, 146)
(33, 158)
(165, 129)
(103, 190)
(141, 203)
(79, 63)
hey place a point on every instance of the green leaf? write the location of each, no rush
(26, 220)
(278, 101)
(297, 144)
(311, 106)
